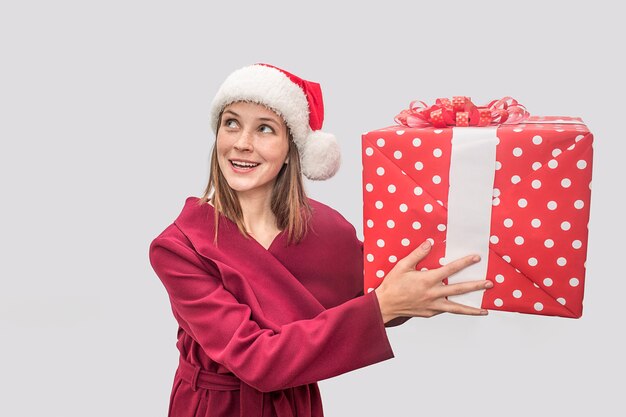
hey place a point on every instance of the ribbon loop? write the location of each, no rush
(460, 111)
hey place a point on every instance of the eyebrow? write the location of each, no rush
(231, 112)
(263, 119)
(267, 119)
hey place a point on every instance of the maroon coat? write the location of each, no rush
(258, 327)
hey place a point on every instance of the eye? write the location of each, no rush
(230, 123)
(266, 129)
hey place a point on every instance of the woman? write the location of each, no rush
(265, 283)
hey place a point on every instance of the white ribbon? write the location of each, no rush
(472, 172)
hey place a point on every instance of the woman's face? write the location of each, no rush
(252, 146)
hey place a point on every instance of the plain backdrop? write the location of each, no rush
(104, 133)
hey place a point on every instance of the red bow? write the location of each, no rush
(460, 111)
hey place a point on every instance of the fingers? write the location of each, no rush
(456, 308)
(464, 287)
(413, 258)
(456, 265)
(430, 293)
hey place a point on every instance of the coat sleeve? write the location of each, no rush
(339, 339)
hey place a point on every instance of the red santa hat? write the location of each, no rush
(297, 101)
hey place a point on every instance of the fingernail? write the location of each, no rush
(488, 284)
(476, 258)
(483, 312)
(426, 245)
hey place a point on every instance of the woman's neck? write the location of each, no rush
(258, 217)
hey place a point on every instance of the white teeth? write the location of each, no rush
(241, 164)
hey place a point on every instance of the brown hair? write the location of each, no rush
(289, 201)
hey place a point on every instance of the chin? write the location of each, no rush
(239, 186)
(248, 185)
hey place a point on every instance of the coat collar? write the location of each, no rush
(197, 221)
(244, 257)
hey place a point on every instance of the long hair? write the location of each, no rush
(289, 202)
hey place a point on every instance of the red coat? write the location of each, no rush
(257, 327)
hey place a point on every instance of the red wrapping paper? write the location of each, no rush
(539, 215)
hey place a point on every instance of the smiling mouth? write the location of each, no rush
(246, 166)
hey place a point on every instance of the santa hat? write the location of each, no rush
(297, 101)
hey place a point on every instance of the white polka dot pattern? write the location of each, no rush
(538, 242)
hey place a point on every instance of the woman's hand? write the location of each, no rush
(411, 293)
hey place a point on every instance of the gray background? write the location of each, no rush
(104, 132)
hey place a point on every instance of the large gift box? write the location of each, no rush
(516, 192)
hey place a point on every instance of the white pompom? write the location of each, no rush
(321, 156)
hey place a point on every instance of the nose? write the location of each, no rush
(244, 141)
